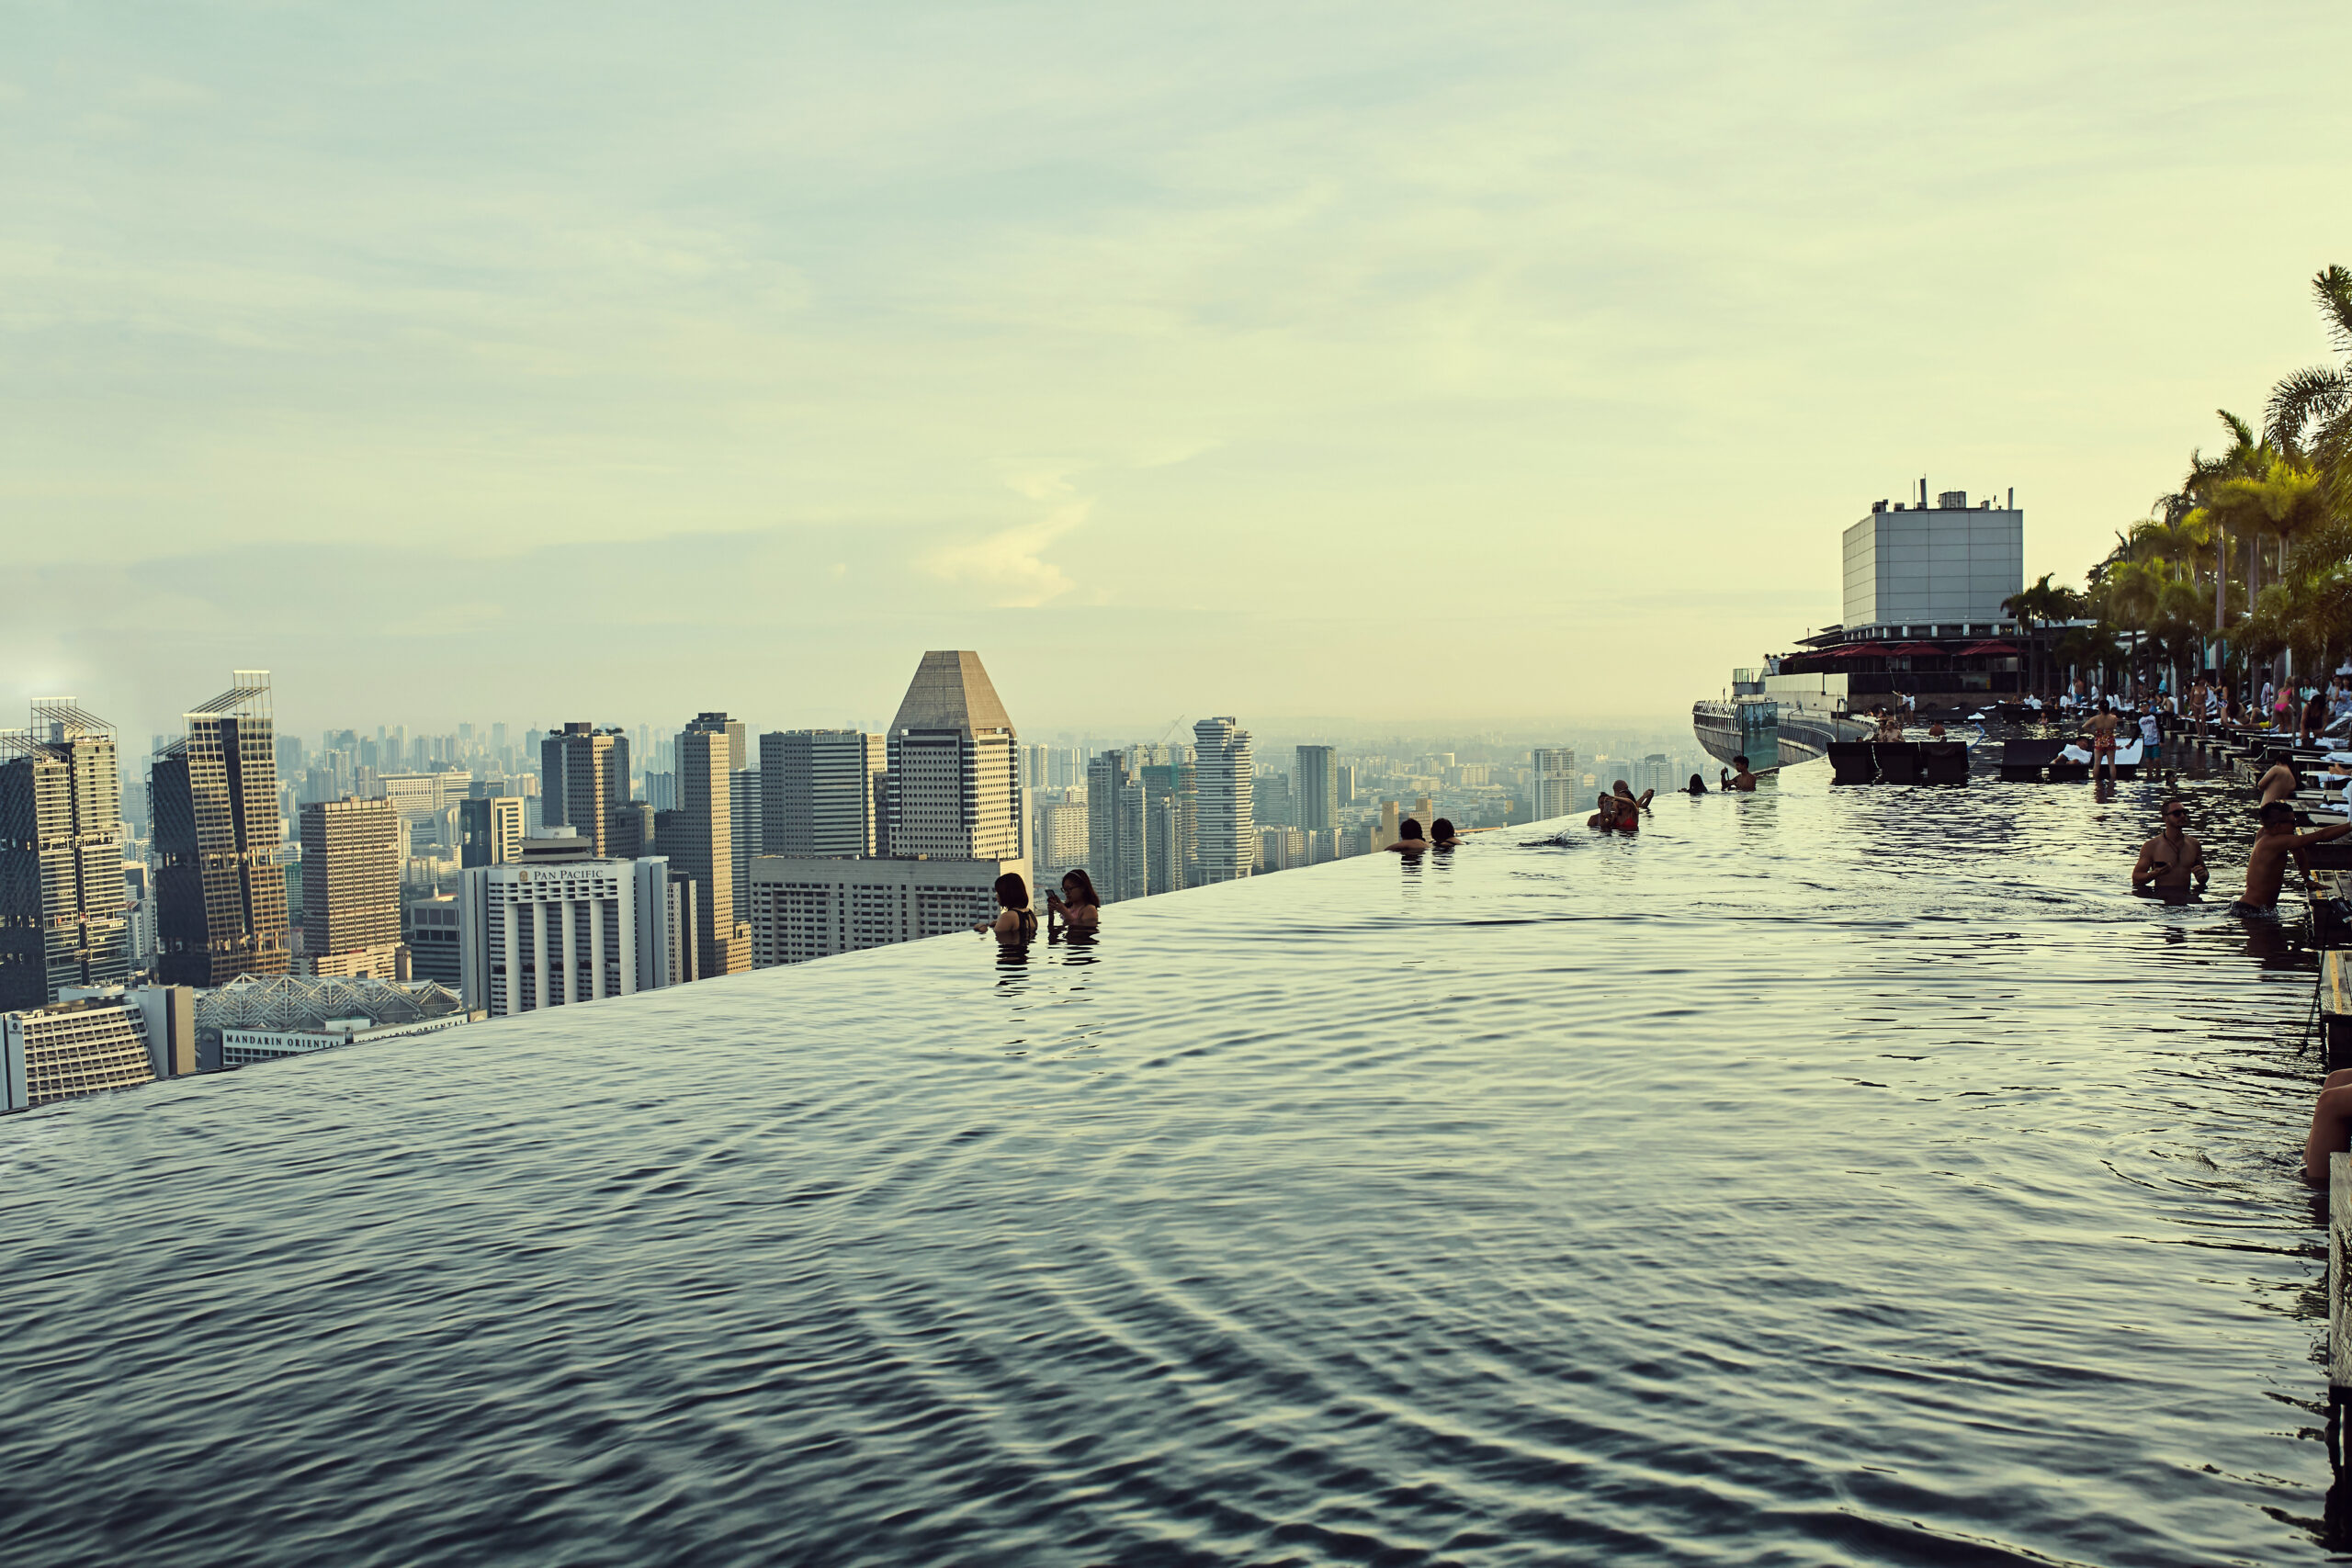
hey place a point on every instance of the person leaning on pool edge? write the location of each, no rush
(1743, 781)
(1408, 838)
(2265, 862)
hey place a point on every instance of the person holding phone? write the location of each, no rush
(2172, 860)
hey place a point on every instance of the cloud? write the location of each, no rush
(1010, 565)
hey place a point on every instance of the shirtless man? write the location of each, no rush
(2172, 857)
(1604, 819)
(2100, 733)
(1744, 780)
(2265, 862)
(2277, 782)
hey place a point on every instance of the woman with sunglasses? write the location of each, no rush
(2169, 861)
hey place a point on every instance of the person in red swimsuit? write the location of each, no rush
(2100, 732)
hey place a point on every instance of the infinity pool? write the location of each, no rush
(1822, 1177)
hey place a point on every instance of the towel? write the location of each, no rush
(2073, 753)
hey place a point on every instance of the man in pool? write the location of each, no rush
(2171, 859)
(2277, 782)
(2265, 862)
(1744, 780)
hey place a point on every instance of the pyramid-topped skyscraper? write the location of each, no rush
(951, 826)
(955, 765)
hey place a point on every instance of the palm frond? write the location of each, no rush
(2318, 395)
(2333, 288)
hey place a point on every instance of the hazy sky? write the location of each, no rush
(475, 362)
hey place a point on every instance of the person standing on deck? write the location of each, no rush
(2172, 858)
(2265, 862)
(2277, 783)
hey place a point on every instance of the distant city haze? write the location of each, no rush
(1415, 367)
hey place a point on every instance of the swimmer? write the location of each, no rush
(1605, 817)
(2171, 858)
(1625, 792)
(1696, 787)
(1441, 834)
(2277, 782)
(1743, 781)
(1076, 905)
(1409, 841)
(2265, 862)
(1015, 921)
(1935, 730)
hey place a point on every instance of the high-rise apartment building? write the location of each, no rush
(433, 929)
(1314, 788)
(1557, 786)
(1223, 775)
(822, 792)
(583, 773)
(954, 824)
(62, 893)
(955, 781)
(701, 840)
(1163, 841)
(351, 888)
(1346, 773)
(219, 882)
(1270, 802)
(561, 932)
(1169, 786)
(1059, 841)
(1118, 854)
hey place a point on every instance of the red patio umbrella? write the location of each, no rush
(1976, 648)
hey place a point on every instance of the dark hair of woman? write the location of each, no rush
(1086, 894)
(1409, 830)
(1012, 892)
(1697, 785)
(1442, 830)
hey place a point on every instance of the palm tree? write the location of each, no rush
(2311, 411)
(2035, 608)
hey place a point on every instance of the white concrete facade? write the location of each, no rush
(1947, 565)
(562, 932)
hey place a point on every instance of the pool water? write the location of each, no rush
(1823, 1176)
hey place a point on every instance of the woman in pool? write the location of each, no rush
(1077, 904)
(1696, 787)
(1409, 841)
(1015, 922)
(1441, 834)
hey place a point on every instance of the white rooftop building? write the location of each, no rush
(555, 933)
(1931, 571)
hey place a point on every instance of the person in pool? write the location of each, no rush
(1625, 796)
(1441, 834)
(1015, 921)
(1409, 841)
(1605, 817)
(2265, 862)
(1076, 905)
(2172, 858)
(1743, 781)
(2100, 732)
(1696, 787)
(2331, 1125)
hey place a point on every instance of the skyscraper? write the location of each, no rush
(63, 896)
(220, 888)
(583, 773)
(556, 934)
(743, 831)
(955, 781)
(953, 826)
(702, 839)
(1222, 780)
(1554, 786)
(822, 792)
(1118, 855)
(1314, 788)
(489, 830)
(351, 888)
(1169, 789)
